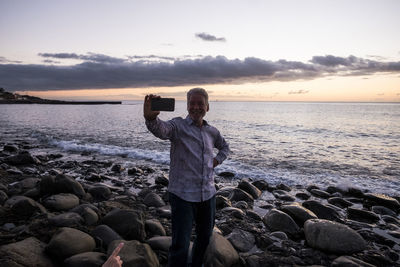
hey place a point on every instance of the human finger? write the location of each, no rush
(117, 250)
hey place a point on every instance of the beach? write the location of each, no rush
(53, 201)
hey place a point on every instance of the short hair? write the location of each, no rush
(197, 91)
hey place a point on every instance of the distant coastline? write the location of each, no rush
(11, 98)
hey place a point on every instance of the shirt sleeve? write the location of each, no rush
(161, 129)
(223, 148)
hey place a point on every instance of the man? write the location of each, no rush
(191, 182)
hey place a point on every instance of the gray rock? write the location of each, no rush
(87, 212)
(28, 252)
(226, 174)
(135, 171)
(320, 193)
(222, 202)
(299, 214)
(340, 202)
(86, 259)
(253, 215)
(105, 235)
(238, 194)
(383, 211)
(23, 158)
(162, 180)
(283, 195)
(277, 220)
(100, 192)
(241, 205)
(3, 197)
(220, 252)
(134, 253)
(241, 240)
(261, 185)
(61, 202)
(128, 223)
(235, 212)
(22, 186)
(164, 212)
(249, 188)
(153, 200)
(24, 206)
(348, 261)
(283, 187)
(279, 235)
(322, 211)
(68, 219)
(333, 237)
(383, 200)
(225, 191)
(67, 242)
(154, 228)
(10, 148)
(67, 184)
(117, 168)
(160, 243)
(303, 195)
(362, 215)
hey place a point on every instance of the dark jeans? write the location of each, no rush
(184, 213)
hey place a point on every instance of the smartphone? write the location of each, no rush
(163, 104)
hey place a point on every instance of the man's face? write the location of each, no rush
(197, 107)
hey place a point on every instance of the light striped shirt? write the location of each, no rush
(191, 174)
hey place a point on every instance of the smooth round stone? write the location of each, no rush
(235, 212)
(249, 188)
(87, 213)
(155, 228)
(321, 210)
(383, 211)
(277, 220)
(362, 215)
(320, 193)
(100, 192)
(383, 200)
(67, 184)
(153, 200)
(222, 202)
(303, 196)
(348, 261)
(68, 219)
(164, 212)
(340, 202)
(238, 195)
(24, 206)
(283, 195)
(104, 235)
(333, 237)
(241, 240)
(160, 243)
(261, 185)
(63, 201)
(279, 235)
(135, 253)
(86, 259)
(298, 213)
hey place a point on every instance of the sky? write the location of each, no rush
(310, 50)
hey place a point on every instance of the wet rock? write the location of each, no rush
(67, 184)
(383, 211)
(241, 240)
(238, 195)
(322, 211)
(284, 187)
(225, 191)
(311, 187)
(135, 253)
(222, 202)
(61, 202)
(162, 180)
(24, 206)
(320, 193)
(226, 174)
(87, 212)
(3, 197)
(250, 189)
(279, 235)
(235, 212)
(160, 243)
(333, 237)
(283, 195)
(154, 228)
(128, 223)
(390, 219)
(241, 205)
(153, 200)
(253, 215)
(261, 185)
(22, 186)
(340, 202)
(104, 235)
(23, 158)
(10, 148)
(117, 168)
(28, 252)
(94, 177)
(68, 219)
(220, 252)
(67, 242)
(100, 192)
(298, 213)
(348, 261)
(164, 212)
(303, 195)
(277, 220)
(383, 200)
(362, 215)
(87, 259)
(135, 171)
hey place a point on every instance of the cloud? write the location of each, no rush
(298, 92)
(209, 38)
(98, 71)
(5, 60)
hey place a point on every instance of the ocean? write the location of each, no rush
(296, 143)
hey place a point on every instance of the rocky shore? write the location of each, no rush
(60, 212)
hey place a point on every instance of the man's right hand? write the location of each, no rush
(147, 112)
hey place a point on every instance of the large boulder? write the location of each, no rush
(67, 242)
(128, 223)
(298, 213)
(362, 215)
(62, 183)
(100, 192)
(28, 252)
(24, 206)
(61, 202)
(154, 228)
(383, 200)
(86, 259)
(326, 212)
(220, 252)
(160, 243)
(333, 237)
(249, 188)
(238, 195)
(104, 235)
(277, 220)
(135, 253)
(153, 200)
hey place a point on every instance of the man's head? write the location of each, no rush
(197, 104)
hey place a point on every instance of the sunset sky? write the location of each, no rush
(316, 50)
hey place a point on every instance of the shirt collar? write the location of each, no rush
(190, 121)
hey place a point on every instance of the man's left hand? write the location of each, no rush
(215, 163)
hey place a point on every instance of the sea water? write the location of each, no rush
(342, 144)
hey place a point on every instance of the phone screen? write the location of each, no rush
(163, 104)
